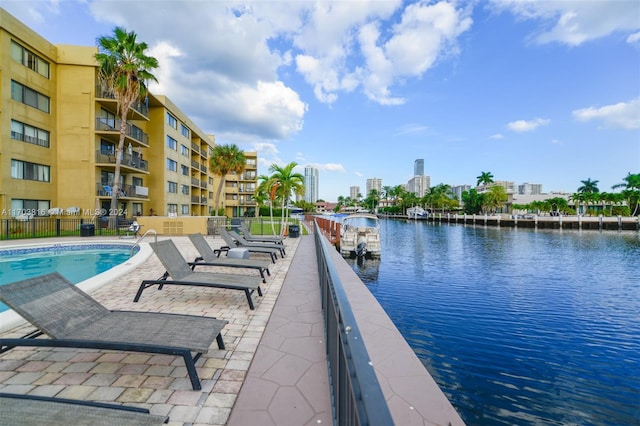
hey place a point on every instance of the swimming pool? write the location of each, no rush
(89, 265)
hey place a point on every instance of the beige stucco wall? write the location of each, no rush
(180, 225)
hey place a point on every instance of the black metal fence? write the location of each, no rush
(43, 227)
(356, 392)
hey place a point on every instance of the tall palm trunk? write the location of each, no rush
(116, 174)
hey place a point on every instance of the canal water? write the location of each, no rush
(518, 327)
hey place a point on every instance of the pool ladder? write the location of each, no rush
(139, 240)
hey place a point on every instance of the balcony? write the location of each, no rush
(102, 91)
(197, 199)
(134, 192)
(131, 161)
(112, 127)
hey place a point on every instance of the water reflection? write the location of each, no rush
(366, 269)
(518, 326)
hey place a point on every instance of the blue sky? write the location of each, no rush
(532, 91)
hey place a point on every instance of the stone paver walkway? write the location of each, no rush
(288, 381)
(160, 383)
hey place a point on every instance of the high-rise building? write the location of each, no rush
(418, 167)
(419, 185)
(373, 183)
(353, 192)
(457, 191)
(310, 184)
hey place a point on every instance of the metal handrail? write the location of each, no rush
(356, 392)
(139, 240)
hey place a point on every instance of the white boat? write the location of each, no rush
(417, 212)
(360, 236)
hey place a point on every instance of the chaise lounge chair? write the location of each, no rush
(23, 410)
(242, 242)
(72, 319)
(232, 242)
(246, 233)
(182, 274)
(208, 257)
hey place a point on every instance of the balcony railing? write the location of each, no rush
(129, 160)
(102, 91)
(125, 191)
(113, 125)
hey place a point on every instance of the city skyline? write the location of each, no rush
(543, 92)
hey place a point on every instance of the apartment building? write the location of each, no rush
(59, 131)
(240, 188)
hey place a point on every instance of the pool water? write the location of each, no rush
(518, 327)
(75, 263)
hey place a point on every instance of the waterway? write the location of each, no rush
(518, 326)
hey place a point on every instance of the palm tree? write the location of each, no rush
(494, 198)
(125, 69)
(286, 181)
(588, 185)
(267, 190)
(631, 191)
(485, 178)
(226, 159)
(588, 190)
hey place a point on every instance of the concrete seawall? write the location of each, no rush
(537, 222)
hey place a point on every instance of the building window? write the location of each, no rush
(107, 147)
(251, 161)
(185, 209)
(136, 181)
(107, 119)
(29, 97)
(29, 59)
(184, 189)
(29, 171)
(21, 207)
(172, 143)
(172, 187)
(184, 150)
(184, 169)
(172, 165)
(137, 209)
(25, 133)
(172, 121)
(184, 130)
(172, 208)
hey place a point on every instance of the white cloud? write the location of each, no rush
(527, 125)
(633, 38)
(331, 167)
(575, 22)
(411, 128)
(497, 136)
(624, 115)
(337, 32)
